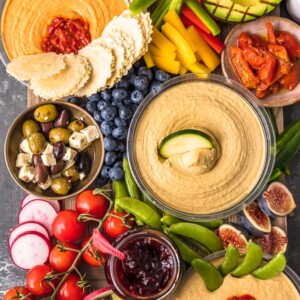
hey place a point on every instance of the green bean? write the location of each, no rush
(132, 187)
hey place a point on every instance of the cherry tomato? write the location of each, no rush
(19, 292)
(70, 289)
(96, 205)
(118, 223)
(62, 259)
(91, 255)
(66, 227)
(35, 283)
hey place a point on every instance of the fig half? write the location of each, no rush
(277, 200)
(255, 220)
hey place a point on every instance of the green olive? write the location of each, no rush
(61, 186)
(45, 113)
(76, 125)
(37, 142)
(59, 135)
(72, 174)
(29, 127)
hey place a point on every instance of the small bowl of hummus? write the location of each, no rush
(286, 285)
(201, 183)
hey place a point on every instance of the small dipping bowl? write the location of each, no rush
(151, 270)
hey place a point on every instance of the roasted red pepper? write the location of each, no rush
(290, 80)
(290, 43)
(271, 34)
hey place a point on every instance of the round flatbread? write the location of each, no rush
(36, 66)
(65, 83)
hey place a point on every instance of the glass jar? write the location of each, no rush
(151, 270)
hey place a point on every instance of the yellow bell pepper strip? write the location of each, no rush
(149, 60)
(199, 68)
(201, 13)
(209, 57)
(182, 45)
(172, 18)
(137, 6)
(183, 61)
(182, 70)
(161, 41)
(168, 65)
(155, 51)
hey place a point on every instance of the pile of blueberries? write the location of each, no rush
(113, 110)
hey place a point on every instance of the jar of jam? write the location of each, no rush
(152, 268)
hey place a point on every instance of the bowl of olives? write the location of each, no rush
(54, 150)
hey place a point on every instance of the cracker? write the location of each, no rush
(102, 61)
(36, 66)
(65, 83)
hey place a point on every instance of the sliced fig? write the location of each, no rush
(277, 200)
(231, 233)
(273, 242)
(255, 220)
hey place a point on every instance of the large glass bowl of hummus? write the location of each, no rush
(202, 184)
(284, 286)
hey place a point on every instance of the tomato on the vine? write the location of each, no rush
(118, 223)
(66, 227)
(19, 292)
(95, 205)
(62, 256)
(71, 289)
(92, 255)
(36, 283)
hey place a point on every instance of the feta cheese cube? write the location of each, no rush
(69, 164)
(48, 149)
(48, 159)
(78, 141)
(81, 176)
(23, 159)
(47, 184)
(91, 133)
(24, 146)
(70, 154)
(26, 173)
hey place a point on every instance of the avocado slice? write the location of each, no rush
(239, 10)
(183, 141)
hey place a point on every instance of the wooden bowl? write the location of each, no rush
(14, 137)
(284, 97)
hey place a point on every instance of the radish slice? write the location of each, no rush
(55, 203)
(30, 249)
(99, 294)
(40, 211)
(27, 226)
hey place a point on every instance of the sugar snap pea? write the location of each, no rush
(199, 233)
(141, 211)
(275, 174)
(120, 191)
(199, 246)
(161, 8)
(169, 220)
(132, 187)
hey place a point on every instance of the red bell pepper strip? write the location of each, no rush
(189, 14)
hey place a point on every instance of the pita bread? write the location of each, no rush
(36, 66)
(65, 83)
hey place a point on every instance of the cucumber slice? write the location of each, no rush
(183, 141)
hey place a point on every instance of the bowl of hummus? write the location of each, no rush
(202, 184)
(286, 285)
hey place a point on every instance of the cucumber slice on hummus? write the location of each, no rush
(183, 141)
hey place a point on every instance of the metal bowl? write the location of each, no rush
(14, 137)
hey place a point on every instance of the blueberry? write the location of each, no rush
(145, 92)
(117, 103)
(95, 97)
(138, 64)
(131, 78)
(162, 76)
(141, 82)
(109, 113)
(116, 174)
(119, 94)
(127, 101)
(120, 122)
(121, 147)
(97, 116)
(100, 182)
(104, 171)
(118, 164)
(122, 84)
(137, 96)
(91, 107)
(110, 144)
(74, 100)
(106, 95)
(125, 112)
(146, 72)
(102, 104)
(154, 87)
(120, 133)
(110, 157)
(107, 127)
(133, 107)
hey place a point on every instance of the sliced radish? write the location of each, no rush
(30, 249)
(27, 226)
(99, 294)
(40, 211)
(55, 203)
